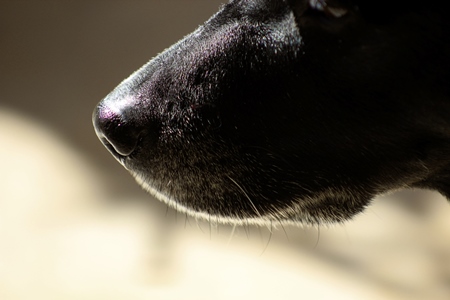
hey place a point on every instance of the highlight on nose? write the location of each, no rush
(116, 129)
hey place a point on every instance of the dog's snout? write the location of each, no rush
(117, 129)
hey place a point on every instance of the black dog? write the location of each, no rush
(289, 111)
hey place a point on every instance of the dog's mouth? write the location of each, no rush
(214, 170)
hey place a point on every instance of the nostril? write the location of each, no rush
(117, 132)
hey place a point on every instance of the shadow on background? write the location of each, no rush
(74, 225)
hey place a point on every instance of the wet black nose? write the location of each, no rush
(117, 128)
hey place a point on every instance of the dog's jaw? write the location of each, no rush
(217, 218)
(310, 211)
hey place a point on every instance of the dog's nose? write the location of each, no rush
(117, 127)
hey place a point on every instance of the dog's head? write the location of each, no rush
(290, 111)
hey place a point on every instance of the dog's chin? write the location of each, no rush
(218, 217)
(329, 207)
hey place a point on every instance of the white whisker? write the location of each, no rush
(245, 194)
(231, 234)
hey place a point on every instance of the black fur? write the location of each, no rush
(289, 111)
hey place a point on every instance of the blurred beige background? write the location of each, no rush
(74, 225)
